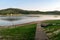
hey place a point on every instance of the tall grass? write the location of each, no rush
(53, 31)
(26, 32)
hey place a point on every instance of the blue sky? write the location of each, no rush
(42, 5)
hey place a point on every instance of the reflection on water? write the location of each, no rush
(13, 20)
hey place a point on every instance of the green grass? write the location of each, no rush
(52, 21)
(52, 30)
(26, 32)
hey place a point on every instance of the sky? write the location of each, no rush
(40, 5)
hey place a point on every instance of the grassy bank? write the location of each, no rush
(53, 31)
(26, 32)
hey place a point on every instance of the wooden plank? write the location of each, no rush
(40, 34)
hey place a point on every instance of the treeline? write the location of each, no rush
(20, 11)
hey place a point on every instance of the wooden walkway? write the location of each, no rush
(40, 34)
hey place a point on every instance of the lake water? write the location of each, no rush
(14, 20)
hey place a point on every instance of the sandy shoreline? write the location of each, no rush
(13, 26)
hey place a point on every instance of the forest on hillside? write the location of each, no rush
(20, 11)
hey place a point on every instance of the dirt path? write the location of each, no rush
(40, 34)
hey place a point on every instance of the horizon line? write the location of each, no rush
(30, 9)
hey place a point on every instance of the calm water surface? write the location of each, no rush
(14, 20)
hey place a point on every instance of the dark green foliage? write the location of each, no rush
(20, 11)
(53, 31)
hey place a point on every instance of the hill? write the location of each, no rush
(20, 11)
